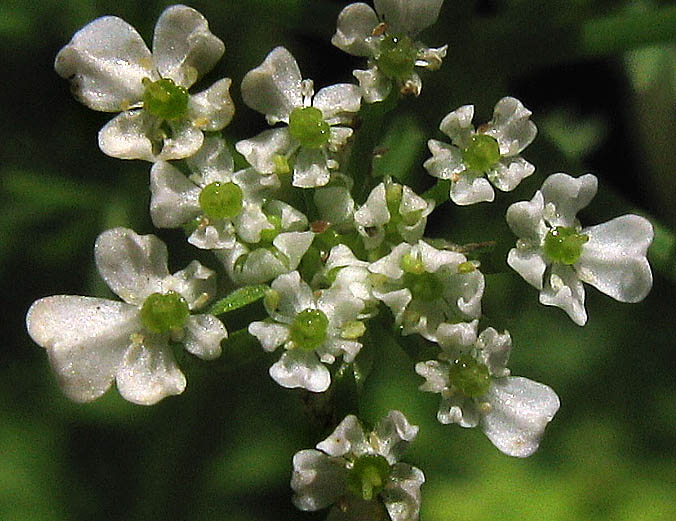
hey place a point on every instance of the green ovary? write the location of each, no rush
(469, 376)
(396, 57)
(367, 476)
(564, 245)
(482, 153)
(308, 329)
(307, 125)
(221, 200)
(164, 99)
(166, 312)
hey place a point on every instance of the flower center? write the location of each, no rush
(396, 57)
(469, 376)
(367, 476)
(481, 154)
(221, 200)
(564, 245)
(164, 99)
(161, 313)
(423, 286)
(308, 329)
(307, 125)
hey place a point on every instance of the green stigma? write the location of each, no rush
(307, 125)
(221, 200)
(469, 376)
(308, 329)
(482, 153)
(564, 245)
(166, 312)
(164, 99)
(396, 57)
(367, 476)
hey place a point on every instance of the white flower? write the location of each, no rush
(426, 288)
(385, 37)
(315, 124)
(93, 341)
(313, 328)
(221, 205)
(555, 254)
(278, 251)
(476, 389)
(491, 150)
(392, 213)
(360, 472)
(112, 70)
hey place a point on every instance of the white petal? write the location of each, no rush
(274, 87)
(446, 161)
(301, 369)
(401, 495)
(335, 205)
(494, 350)
(149, 373)
(529, 263)
(251, 222)
(203, 336)
(347, 438)
(526, 219)
(294, 294)
(126, 136)
(106, 61)
(185, 141)
(183, 47)
(520, 411)
(564, 290)
(212, 109)
(568, 195)
(408, 16)
(259, 266)
(310, 169)
(213, 162)
(132, 265)
(456, 336)
(271, 335)
(374, 85)
(433, 260)
(341, 99)
(292, 219)
(457, 125)
(354, 30)
(217, 235)
(511, 126)
(435, 374)
(339, 306)
(390, 265)
(374, 211)
(293, 245)
(393, 434)
(318, 480)
(195, 283)
(85, 338)
(173, 199)
(260, 151)
(614, 259)
(467, 289)
(509, 172)
(471, 188)
(457, 408)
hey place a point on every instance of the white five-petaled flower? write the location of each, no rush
(492, 150)
(426, 288)
(385, 37)
(556, 254)
(476, 389)
(359, 473)
(93, 341)
(313, 328)
(392, 212)
(315, 123)
(112, 70)
(220, 204)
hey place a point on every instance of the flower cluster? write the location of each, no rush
(334, 252)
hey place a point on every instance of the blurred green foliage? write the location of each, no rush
(600, 77)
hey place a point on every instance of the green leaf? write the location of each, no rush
(238, 299)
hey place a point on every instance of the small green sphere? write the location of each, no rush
(308, 330)
(367, 476)
(164, 99)
(564, 245)
(482, 153)
(469, 376)
(307, 125)
(396, 57)
(162, 313)
(221, 200)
